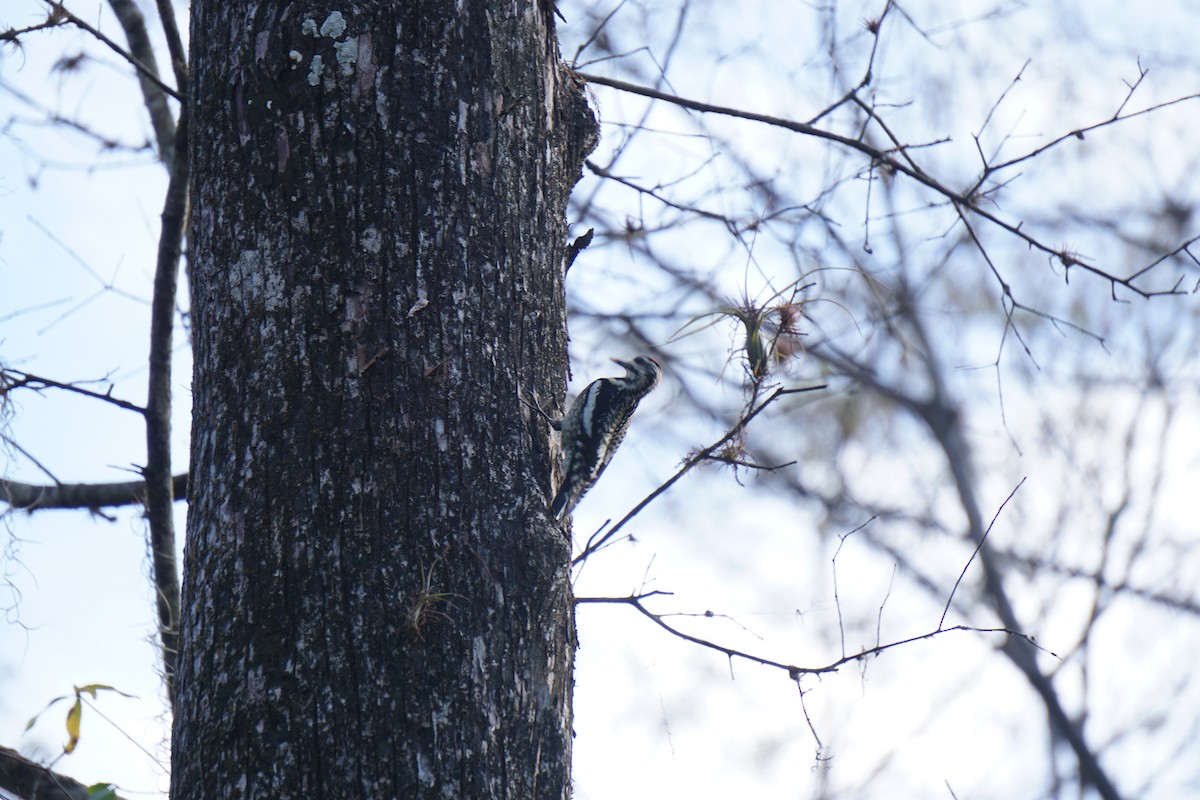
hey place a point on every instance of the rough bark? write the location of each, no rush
(377, 602)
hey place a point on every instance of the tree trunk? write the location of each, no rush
(376, 602)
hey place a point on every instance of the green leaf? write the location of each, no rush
(93, 688)
(74, 718)
(33, 720)
(75, 714)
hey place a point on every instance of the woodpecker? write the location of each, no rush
(595, 425)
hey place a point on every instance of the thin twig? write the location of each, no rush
(794, 671)
(593, 545)
(974, 553)
(837, 602)
(8, 441)
(145, 71)
(11, 379)
(14, 34)
(907, 166)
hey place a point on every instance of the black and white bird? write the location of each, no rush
(595, 426)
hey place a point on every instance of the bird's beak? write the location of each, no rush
(628, 367)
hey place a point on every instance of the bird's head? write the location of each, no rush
(643, 371)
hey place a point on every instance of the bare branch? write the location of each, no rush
(837, 600)
(794, 671)
(14, 34)
(33, 459)
(906, 166)
(704, 455)
(1079, 133)
(92, 496)
(607, 173)
(996, 105)
(11, 379)
(978, 547)
(143, 70)
(159, 488)
(155, 99)
(1162, 598)
(166, 13)
(945, 422)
